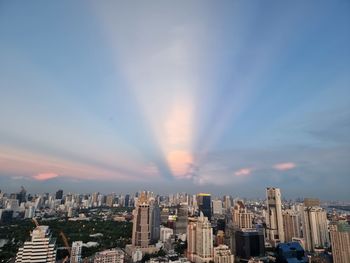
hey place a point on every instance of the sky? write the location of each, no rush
(228, 97)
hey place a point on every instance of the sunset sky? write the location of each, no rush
(222, 96)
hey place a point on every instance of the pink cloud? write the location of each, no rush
(45, 176)
(284, 166)
(243, 172)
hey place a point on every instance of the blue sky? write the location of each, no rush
(227, 97)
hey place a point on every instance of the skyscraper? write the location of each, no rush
(191, 240)
(204, 204)
(274, 219)
(59, 194)
(291, 225)
(182, 218)
(41, 248)
(141, 223)
(204, 240)
(340, 239)
(315, 228)
(154, 222)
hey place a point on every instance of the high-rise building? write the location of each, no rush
(204, 240)
(41, 247)
(110, 200)
(76, 252)
(191, 239)
(181, 219)
(291, 225)
(141, 223)
(240, 217)
(315, 228)
(126, 200)
(115, 255)
(22, 195)
(249, 243)
(59, 194)
(222, 254)
(154, 223)
(217, 207)
(274, 219)
(340, 239)
(204, 204)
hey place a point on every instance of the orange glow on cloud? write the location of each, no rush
(244, 172)
(284, 166)
(179, 162)
(45, 176)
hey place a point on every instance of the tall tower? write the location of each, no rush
(291, 225)
(182, 218)
(274, 220)
(315, 227)
(204, 204)
(191, 240)
(340, 239)
(141, 223)
(41, 248)
(204, 240)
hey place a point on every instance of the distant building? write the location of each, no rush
(76, 252)
(240, 217)
(115, 255)
(222, 254)
(41, 248)
(110, 200)
(204, 204)
(274, 219)
(217, 207)
(181, 219)
(165, 233)
(291, 252)
(59, 194)
(340, 240)
(249, 243)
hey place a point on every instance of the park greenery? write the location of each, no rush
(114, 234)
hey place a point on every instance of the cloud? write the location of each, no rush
(243, 172)
(284, 166)
(45, 176)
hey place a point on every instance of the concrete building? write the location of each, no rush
(217, 207)
(222, 254)
(315, 228)
(191, 240)
(77, 247)
(274, 219)
(181, 219)
(41, 247)
(115, 255)
(204, 240)
(340, 240)
(291, 225)
(241, 219)
(165, 233)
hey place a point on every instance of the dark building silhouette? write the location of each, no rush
(204, 204)
(59, 194)
(249, 243)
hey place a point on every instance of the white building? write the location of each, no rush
(115, 255)
(165, 233)
(274, 220)
(217, 207)
(41, 248)
(222, 254)
(315, 227)
(204, 240)
(76, 251)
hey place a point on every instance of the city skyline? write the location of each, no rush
(228, 97)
